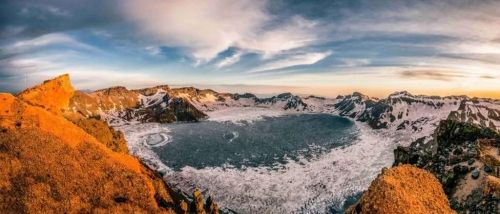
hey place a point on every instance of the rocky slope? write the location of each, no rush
(410, 116)
(56, 161)
(118, 105)
(466, 160)
(403, 189)
(401, 112)
(484, 112)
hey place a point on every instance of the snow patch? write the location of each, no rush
(138, 142)
(244, 114)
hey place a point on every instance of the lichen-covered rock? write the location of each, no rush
(403, 189)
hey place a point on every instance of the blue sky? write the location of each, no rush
(307, 47)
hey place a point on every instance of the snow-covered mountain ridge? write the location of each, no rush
(400, 112)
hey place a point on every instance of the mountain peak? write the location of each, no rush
(285, 95)
(53, 95)
(400, 94)
(113, 90)
(360, 96)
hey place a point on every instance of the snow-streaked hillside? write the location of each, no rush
(401, 113)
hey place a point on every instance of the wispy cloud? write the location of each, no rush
(487, 77)
(456, 19)
(299, 32)
(206, 28)
(352, 62)
(229, 60)
(442, 75)
(47, 40)
(294, 60)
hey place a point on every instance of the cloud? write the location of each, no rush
(299, 32)
(39, 17)
(487, 77)
(451, 18)
(349, 62)
(47, 40)
(442, 75)
(294, 60)
(471, 47)
(229, 60)
(206, 28)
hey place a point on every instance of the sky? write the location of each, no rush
(325, 48)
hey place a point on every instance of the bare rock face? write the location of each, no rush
(403, 189)
(111, 99)
(52, 95)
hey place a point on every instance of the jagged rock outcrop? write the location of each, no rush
(399, 111)
(53, 95)
(118, 105)
(483, 112)
(403, 189)
(465, 158)
(56, 161)
(288, 101)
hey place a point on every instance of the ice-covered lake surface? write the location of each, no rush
(290, 163)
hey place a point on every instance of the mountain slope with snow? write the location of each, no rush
(401, 112)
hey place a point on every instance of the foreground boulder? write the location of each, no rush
(403, 189)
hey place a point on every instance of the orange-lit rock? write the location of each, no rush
(53, 95)
(115, 140)
(53, 165)
(492, 186)
(110, 99)
(403, 189)
(58, 161)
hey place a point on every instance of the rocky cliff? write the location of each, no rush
(118, 105)
(57, 161)
(466, 160)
